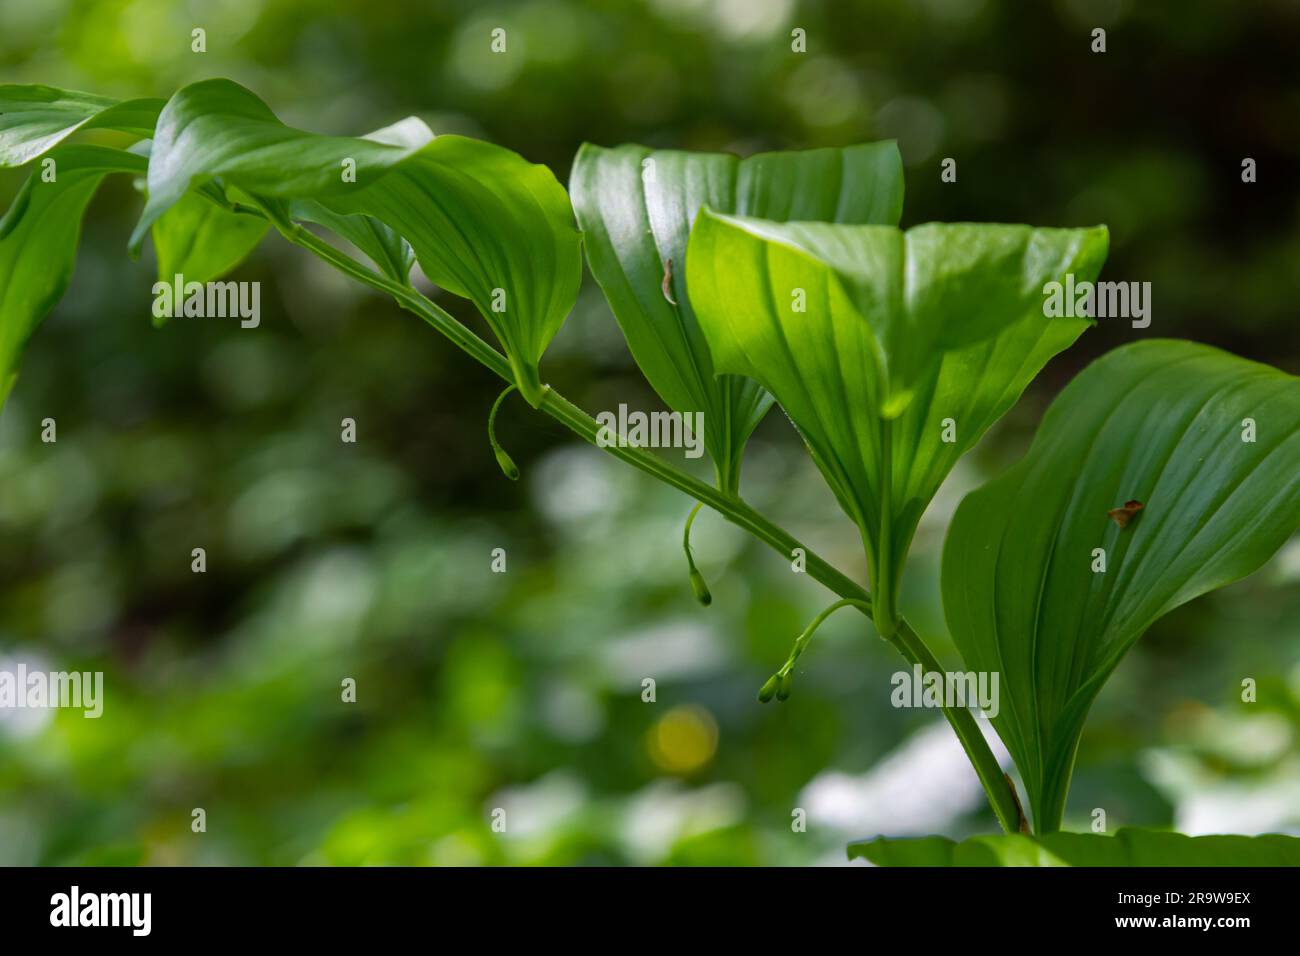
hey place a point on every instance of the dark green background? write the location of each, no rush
(522, 690)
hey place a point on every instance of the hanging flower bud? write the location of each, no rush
(508, 466)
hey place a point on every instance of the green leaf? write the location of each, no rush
(484, 223)
(1130, 846)
(38, 242)
(218, 128)
(636, 207)
(35, 119)
(487, 225)
(202, 240)
(1160, 422)
(892, 352)
(204, 234)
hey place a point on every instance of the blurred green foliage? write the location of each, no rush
(523, 690)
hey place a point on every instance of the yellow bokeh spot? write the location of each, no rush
(684, 739)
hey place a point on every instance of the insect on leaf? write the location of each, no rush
(1125, 512)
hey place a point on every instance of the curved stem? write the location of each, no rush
(698, 585)
(731, 507)
(507, 463)
(802, 640)
(779, 684)
(492, 415)
(686, 532)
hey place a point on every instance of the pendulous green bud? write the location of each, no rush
(768, 690)
(507, 464)
(783, 684)
(700, 588)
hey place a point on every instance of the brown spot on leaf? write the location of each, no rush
(1122, 516)
(668, 280)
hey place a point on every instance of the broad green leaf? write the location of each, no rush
(484, 223)
(892, 352)
(202, 240)
(35, 119)
(218, 128)
(1129, 847)
(38, 242)
(636, 207)
(487, 225)
(1209, 444)
(203, 235)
